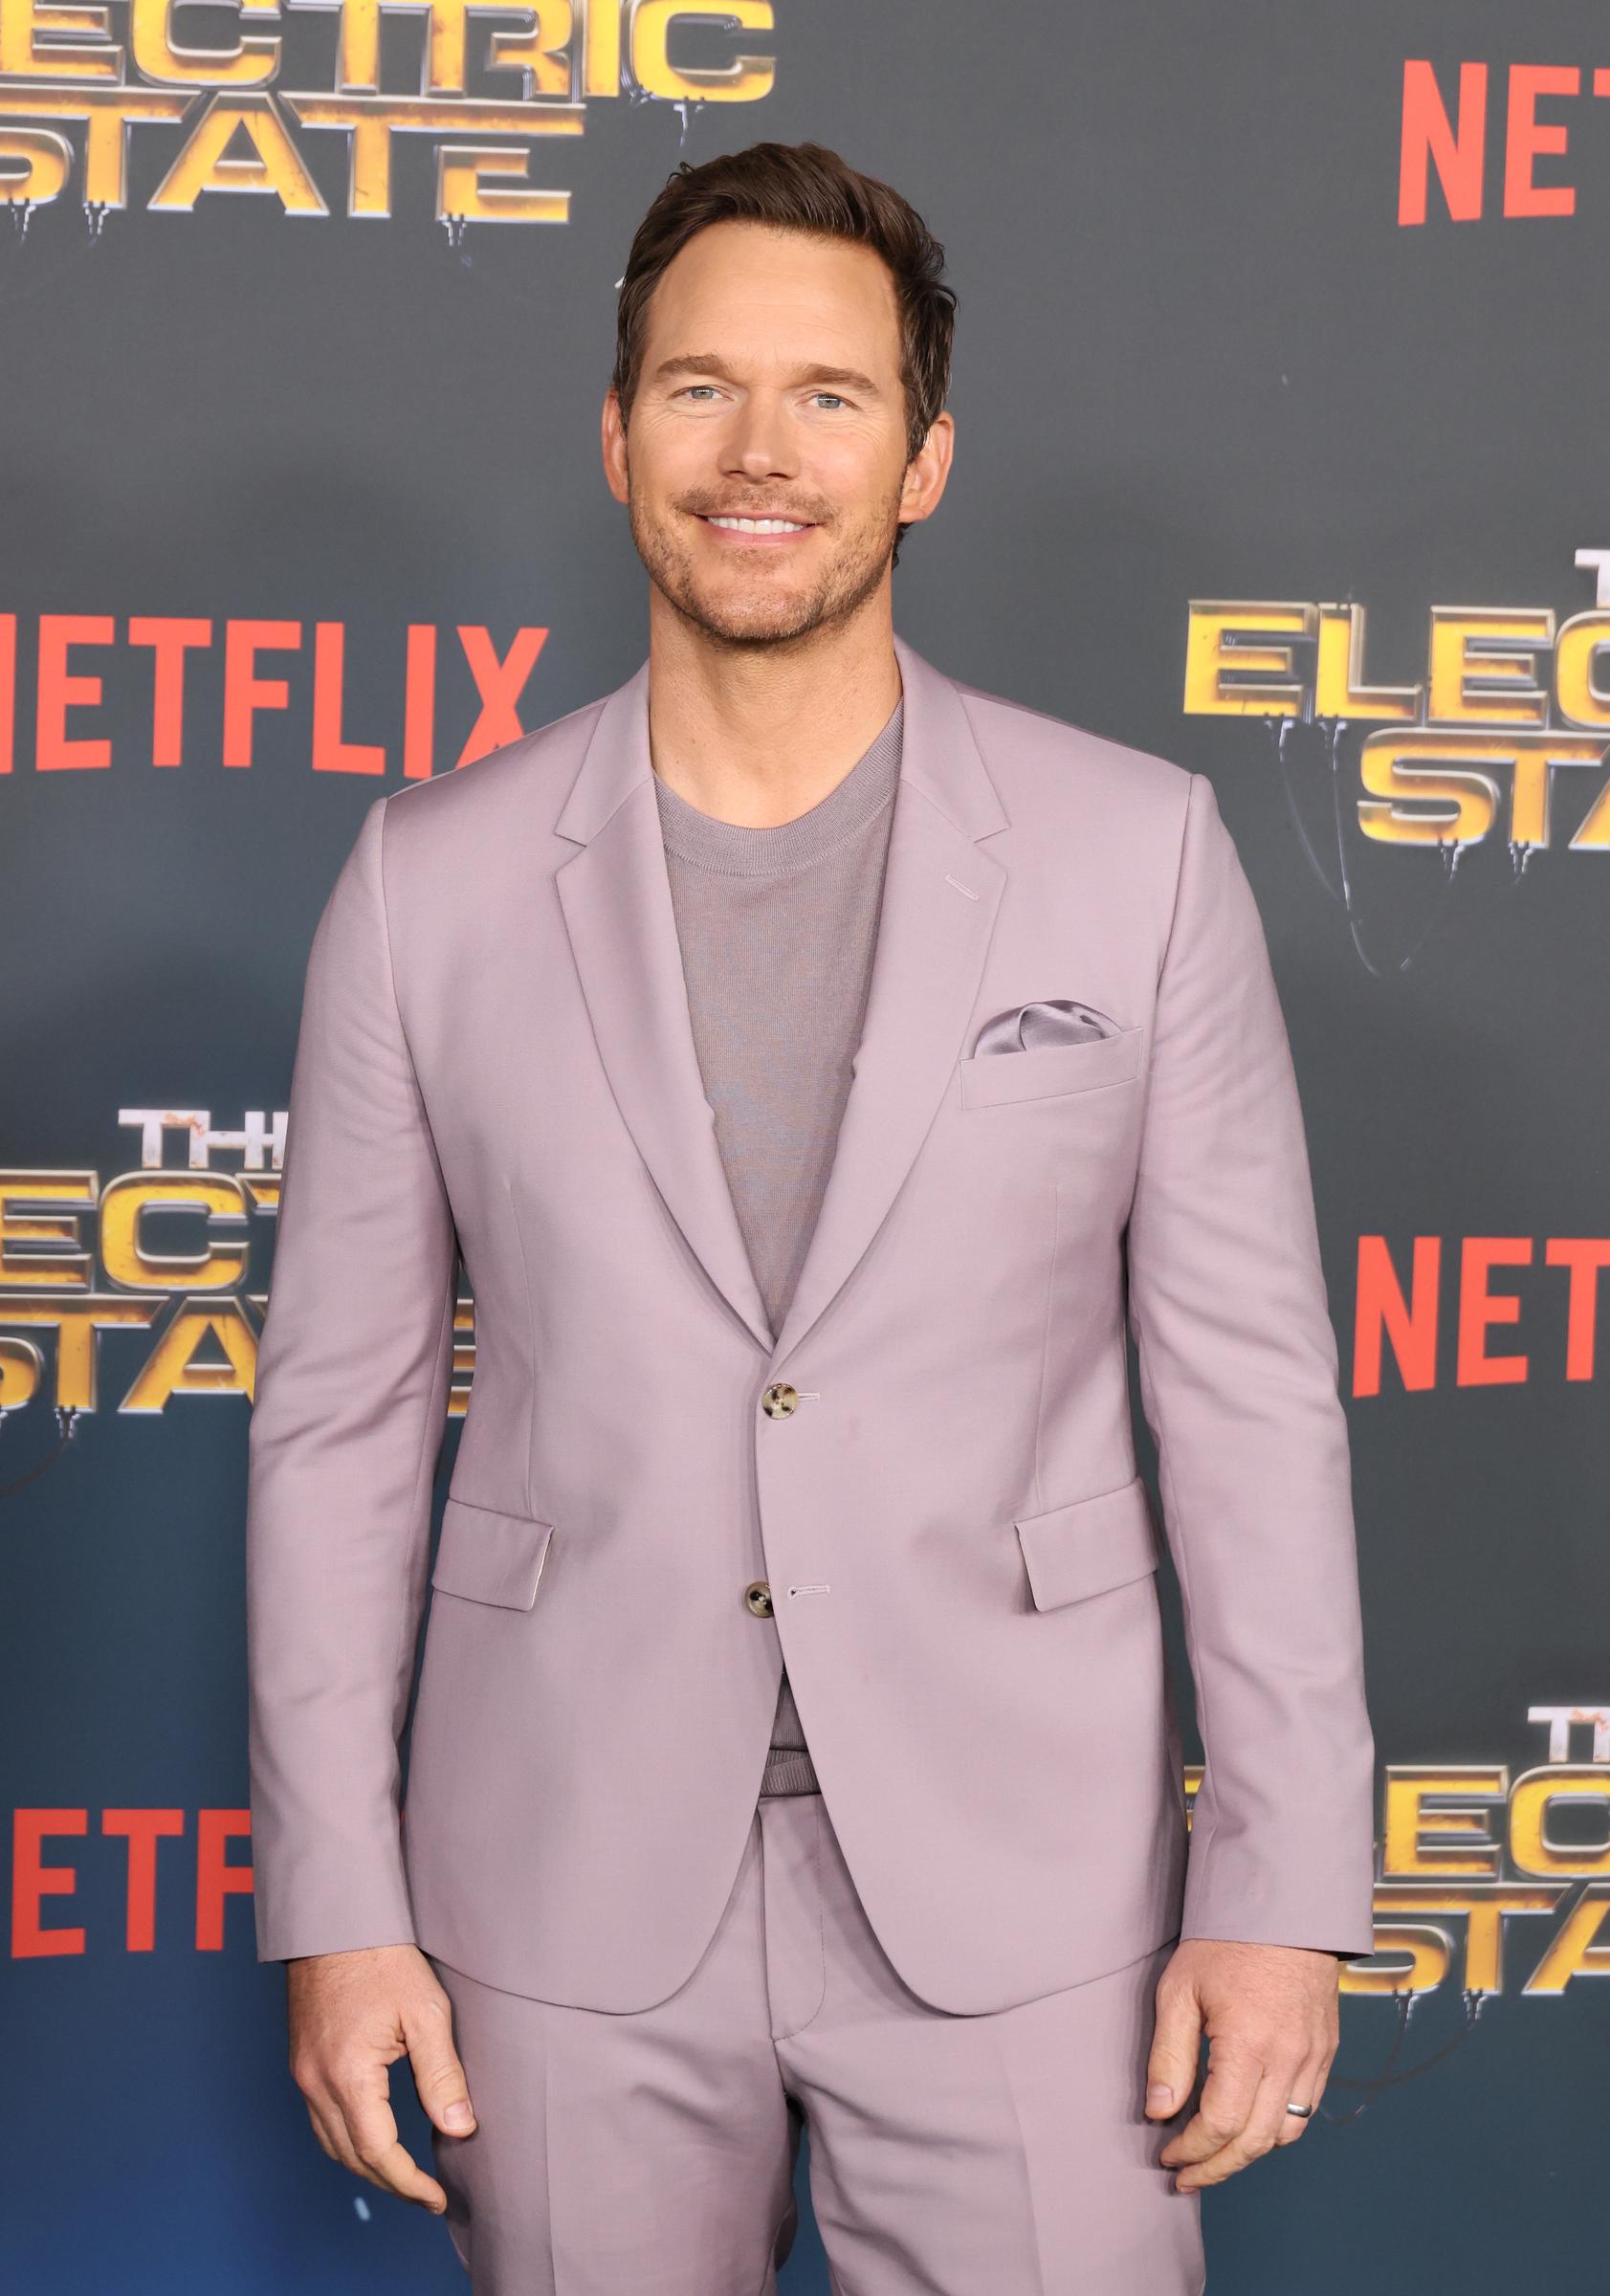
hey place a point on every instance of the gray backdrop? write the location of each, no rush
(1199, 358)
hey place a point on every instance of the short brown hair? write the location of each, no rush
(799, 188)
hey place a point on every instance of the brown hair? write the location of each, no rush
(800, 188)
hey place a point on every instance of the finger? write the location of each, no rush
(1251, 2141)
(1233, 2075)
(366, 2107)
(325, 2130)
(438, 2073)
(1307, 2088)
(332, 2132)
(328, 2116)
(1171, 2067)
(396, 2169)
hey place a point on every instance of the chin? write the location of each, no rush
(756, 622)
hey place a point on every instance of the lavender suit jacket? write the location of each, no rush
(495, 1059)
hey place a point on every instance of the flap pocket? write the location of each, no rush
(1090, 1545)
(491, 1557)
(990, 1078)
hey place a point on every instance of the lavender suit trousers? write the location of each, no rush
(996, 2154)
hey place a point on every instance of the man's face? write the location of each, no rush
(770, 388)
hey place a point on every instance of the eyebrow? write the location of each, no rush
(707, 362)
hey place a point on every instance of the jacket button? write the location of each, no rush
(780, 1399)
(758, 1595)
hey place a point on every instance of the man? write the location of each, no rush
(820, 1066)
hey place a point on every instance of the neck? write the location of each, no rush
(758, 735)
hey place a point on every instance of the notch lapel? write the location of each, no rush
(942, 893)
(940, 896)
(615, 894)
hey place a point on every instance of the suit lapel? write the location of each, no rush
(940, 896)
(615, 894)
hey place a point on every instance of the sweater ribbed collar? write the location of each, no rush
(733, 849)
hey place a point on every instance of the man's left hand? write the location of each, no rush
(1270, 2013)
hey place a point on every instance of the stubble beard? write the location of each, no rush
(764, 616)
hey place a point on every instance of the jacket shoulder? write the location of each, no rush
(1042, 755)
(529, 777)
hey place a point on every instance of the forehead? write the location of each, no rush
(751, 292)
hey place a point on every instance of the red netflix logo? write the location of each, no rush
(68, 679)
(1401, 1311)
(1451, 141)
(37, 1878)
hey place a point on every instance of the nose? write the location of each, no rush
(759, 441)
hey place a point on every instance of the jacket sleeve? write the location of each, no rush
(348, 1423)
(1238, 1381)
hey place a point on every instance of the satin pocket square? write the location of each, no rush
(1054, 1021)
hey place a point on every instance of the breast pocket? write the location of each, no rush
(993, 1079)
(490, 1557)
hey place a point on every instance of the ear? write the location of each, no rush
(612, 440)
(927, 472)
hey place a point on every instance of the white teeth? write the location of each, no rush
(758, 525)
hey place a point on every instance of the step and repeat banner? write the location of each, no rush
(1280, 451)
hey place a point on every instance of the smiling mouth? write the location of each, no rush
(735, 525)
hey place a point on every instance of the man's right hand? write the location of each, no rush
(351, 2016)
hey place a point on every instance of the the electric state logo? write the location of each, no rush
(1471, 747)
(241, 133)
(196, 1303)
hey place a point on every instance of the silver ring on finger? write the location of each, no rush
(1302, 2112)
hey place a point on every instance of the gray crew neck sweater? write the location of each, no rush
(776, 928)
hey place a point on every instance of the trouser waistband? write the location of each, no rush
(789, 1770)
